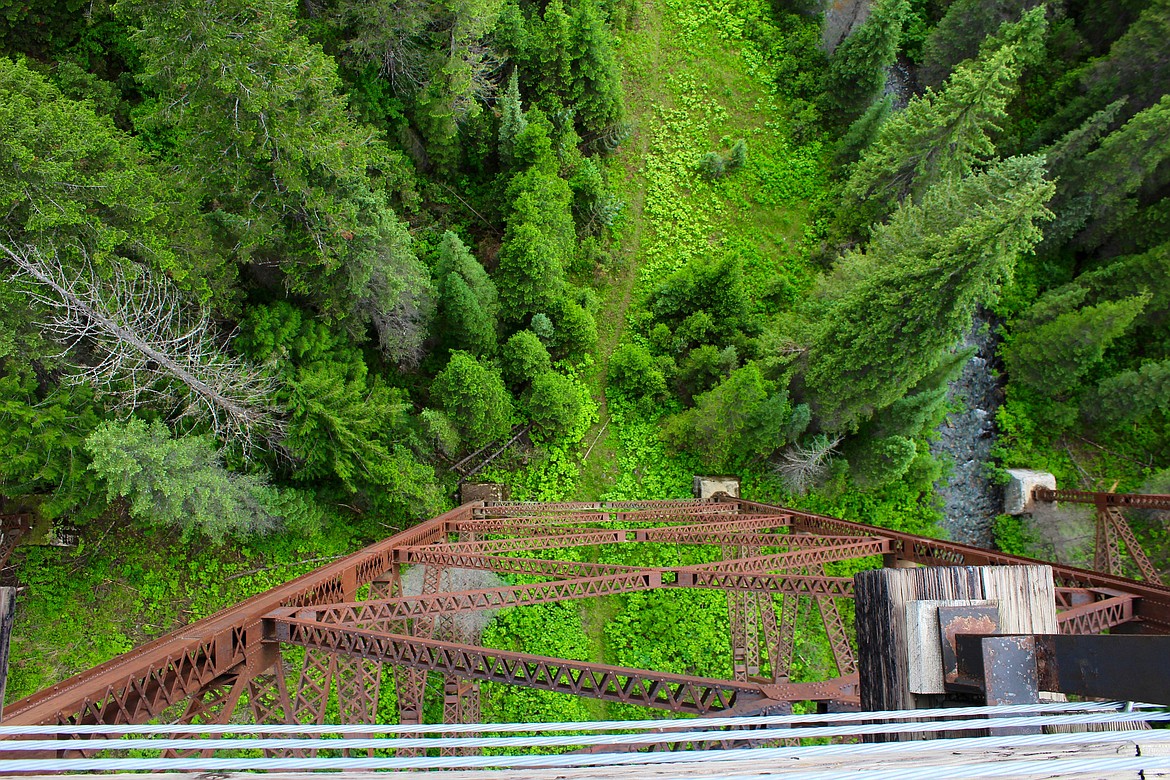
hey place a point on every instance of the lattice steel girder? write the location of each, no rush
(790, 584)
(379, 612)
(1136, 552)
(538, 526)
(141, 684)
(521, 543)
(754, 523)
(799, 558)
(666, 508)
(836, 630)
(677, 693)
(1153, 607)
(701, 535)
(505, 565)
(138, 686)
(1133, 500)
(506, 524)
(1097, 616)
(790, 606)
(1107, 552)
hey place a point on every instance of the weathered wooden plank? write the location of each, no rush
(807, 761)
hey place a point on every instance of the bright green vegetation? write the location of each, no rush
(270, 269)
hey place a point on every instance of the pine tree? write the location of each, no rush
(741, 419)
(913, 291)
(857, 68)
(554, 403)
(1137, 67)
(280, 165)
(1111, 174)
(1130, 396)
(597, 91)
(530, 277)
(938, 135)
(959, 34)
(512, 121)
(177, 482)
(524, 358)
(1051, 358)
(468, 301)
(1071, 204)
(863, 131)
(551, 45)
(473, 396)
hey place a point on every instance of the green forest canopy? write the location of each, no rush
(271, 269)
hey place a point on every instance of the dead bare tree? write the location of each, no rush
(145, 345)
(802, 466)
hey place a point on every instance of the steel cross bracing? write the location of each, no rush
(336, 642)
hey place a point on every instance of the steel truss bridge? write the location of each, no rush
(361, 633)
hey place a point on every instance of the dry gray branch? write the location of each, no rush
(144, 345)
(803, 466)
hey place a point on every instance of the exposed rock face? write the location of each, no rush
(468, 625)
(971, 500)
(841, 18)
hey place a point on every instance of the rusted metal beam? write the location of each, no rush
(524, 543)
(1153, 607)
(799, 558)
(1097, 616)
(379, 613)
(138, 686)
(506, 565)
(790, 606)
(677, 693)
(1106, 550)
(791, 584)
(314, 684)
(1131, 500)
(1136, 552)
(141, 685)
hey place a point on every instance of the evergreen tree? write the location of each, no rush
(938, 135)
(633, 371)
(741, 419)
(177, 482)
(1137, 67)
(1109, 176)
(512, 121)
(857, 68)
(1053, 357)
(554, 403)
(863, 131)
(75, 182)
(738, 156)
(473, 396)
(524, 358)
(1131, 396)
(468, 301)
(1071, 204)
(575, 335)
(538, 244)
(597, 90)
(263, 136)
(881, 461)
(530, 277)
(912, 292)
(962, 30)
(42, 437)
(550, 62)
